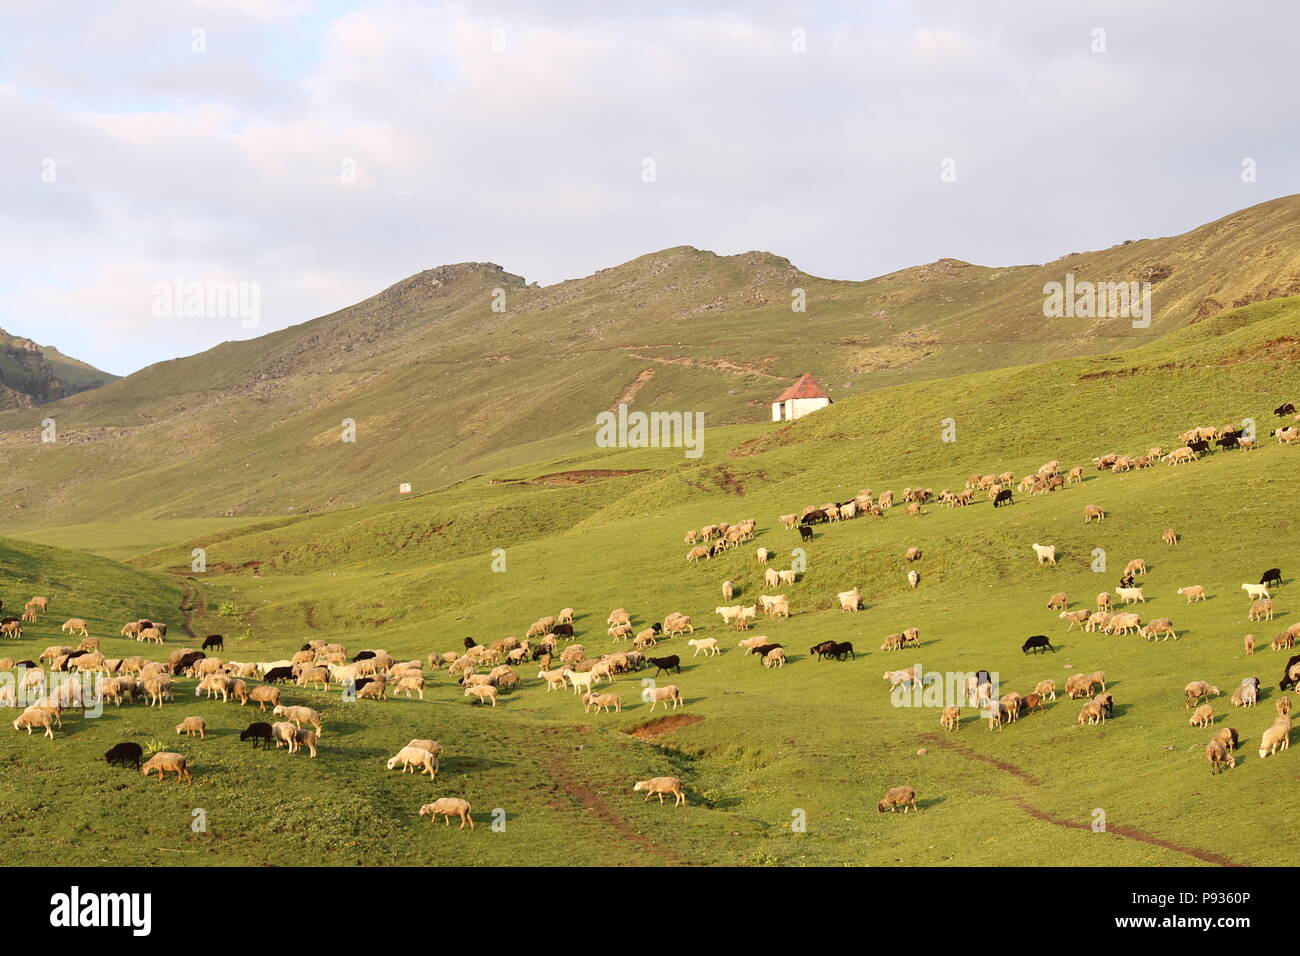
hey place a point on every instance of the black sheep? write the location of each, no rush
(468, 642)
(823, 650)
(187, 661)
(255, 732)
(216, 641)
(1230, 440)
(127, 754)
(1199, 446)
(1286, 408)
(366, 655)
(668, 664)
(841, 650)
(562, 630)
(762, 652)
(1272, 576)
(805, 533)
(1287, 683)
(276, 674)
(1002, 498)
(1037, 642)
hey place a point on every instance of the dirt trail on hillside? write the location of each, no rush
(1129, 833)
(187, 611)
(562, 772)
(661, 726)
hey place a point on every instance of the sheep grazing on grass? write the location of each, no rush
(482, 692)
(1248, 643)
(76, 626)
(300, 716)
(1046, 689)
(1130, 595)
(193, 725)
(1169, 536)
(1202, 716)
(1261, 610)
(1193, 593)
(1058, 602)
(126, 754)
(1103, 601)
(907, 676)
(896, 797)
(1037, 642)
(34, 717)
(166, 762)
(774, 658)
(1158, 627)
(1079, 617)
(951, 718)
(448, 807)
(1255, 591)
(668, 692)
(415, 757)
(1246, 695)
(602, 702)
(1046, 553)
(709, 645)
(1093, 513)
(1219, 756)
(264, 694)
(255, 732)
(1277, 737)
(850, 600)
(1093, 712)
(913, 579)
(1198, 689)
(618, 616)
(659, 786)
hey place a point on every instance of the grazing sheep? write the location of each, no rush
(895, 678)
(1079, 617)
(1283, 706)
(75, 625)
(412, 757)
(951, 718)
(448, 807)
(1218, 755)
(1046, 689)
(1248, 642)
(913, 579)
(618, 616)
(264, 694)
(255, 732)
(300, 716)
(484, 692)
(166, 762)
(303, 738)
(666, 693)
(1277, 737)
(35, 717)
(1046, 553)
(658, 786)
(1103, 601)
(1262, 610)
(127, 754)
(1093, 513)
(1246, 695)
(193, 725)
(1198, 689)
(1228, 737)
(1037, 642)
(1255, 591)
(1130, 595)
(1202, 716)
(774, 658)
(1273, 576)
(709, 645)
(1093, 712)
(896, 797)
(1161, 625)
(850, 600)
(728, 590)
(1193, 593)
(1169, 536)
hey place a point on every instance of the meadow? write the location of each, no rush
(781, 767)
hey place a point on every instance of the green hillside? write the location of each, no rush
(442, 388)
(758, 750)
(32, 374)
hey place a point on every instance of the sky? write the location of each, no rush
(317, 152)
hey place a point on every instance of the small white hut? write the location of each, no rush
(798, 400)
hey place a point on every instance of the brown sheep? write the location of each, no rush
(896, 797)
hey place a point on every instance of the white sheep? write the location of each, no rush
(709, 645)
(1046, 553)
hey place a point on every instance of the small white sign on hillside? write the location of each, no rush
(404, 488)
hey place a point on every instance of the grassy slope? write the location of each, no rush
(441, 388)
(820, 737)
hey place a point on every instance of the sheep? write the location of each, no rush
(896, 797)
(728, 590)
(1277, 737)
(75, 625)
(1218, 755)
(1161, 625)
(411, 757)
(1079, 617)
(1123, 624)
(264, 694)
(193, 725)
(1046, 689)
(668, 692)
(255, 732)
(303, 738)
(1283, 641)
(788, 576)
(1246, 695)
(150, 634)
(618, 616)
(1037, 642)
(1103, 601)
(1169, 536)
(951, 718)
(555, 680)
(1202, 716)
(730, 614)
(1009, 705)
(35, 717)
(771, 578)
(1092, 713)
(1046, 553)
(1130, 595)
(1255, 591)
(483, 692)
(374, 689)
(913, 579)
(1261, 610)
(658, 786)
(126, 754)
(166, 762)
(895, 678)
(1193, 593)
(1093, 513)
(709, 645)
(300, 716)
(774, 658)
(912, 554)
(158, 689)
(602, 701)
(850, 600)
(1078, 685)
(1248, 642)
(448, 807)
(282, 732)
(1283, 706)
(1198, 689)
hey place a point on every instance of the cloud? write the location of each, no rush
(517, 133)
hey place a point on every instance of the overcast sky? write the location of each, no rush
(325, 150)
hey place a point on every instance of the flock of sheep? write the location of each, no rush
(485, 672)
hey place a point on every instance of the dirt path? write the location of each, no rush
(187, 609)
(1130, 833)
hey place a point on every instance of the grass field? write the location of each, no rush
(815, 742)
